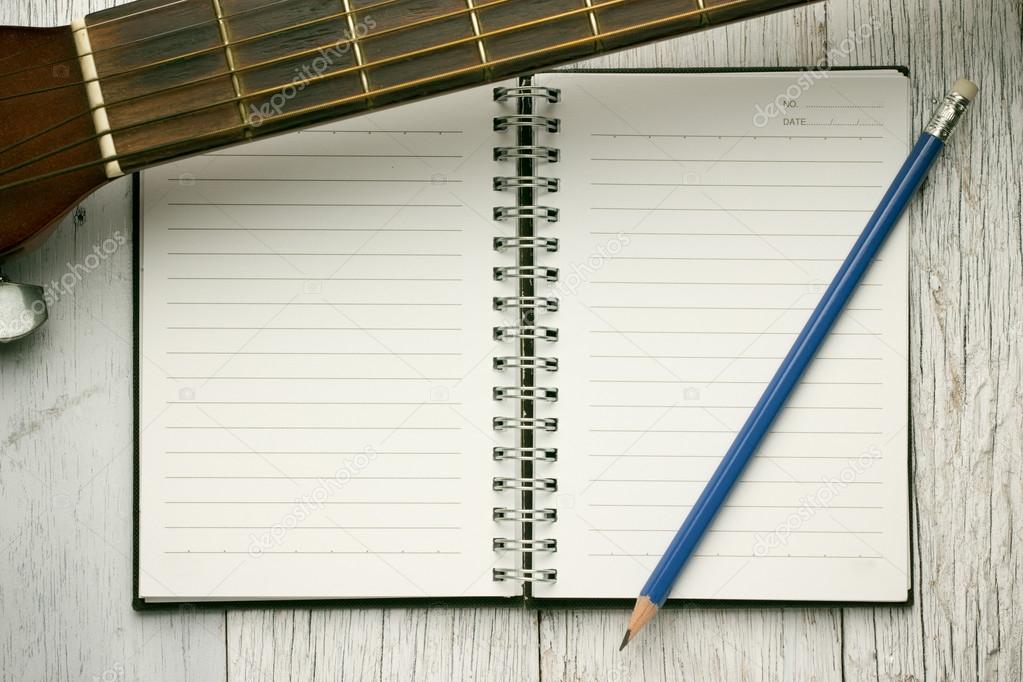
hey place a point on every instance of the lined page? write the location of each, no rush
(699, 231)
(316, 363)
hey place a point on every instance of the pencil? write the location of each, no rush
(657, 588)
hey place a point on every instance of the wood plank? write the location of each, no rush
(65, 589)
(706, 644)
(396, 644)
(65, 465)
(966, 377)
(712, 644)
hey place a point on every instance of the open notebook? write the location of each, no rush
(350, 391)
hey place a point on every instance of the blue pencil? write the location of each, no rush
(657, 588)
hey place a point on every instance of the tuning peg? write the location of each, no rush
(22, 309)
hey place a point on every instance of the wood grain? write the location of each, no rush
(65, 474)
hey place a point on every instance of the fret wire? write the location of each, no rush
(345, 100)
(229, 57)
(207, 50)
(476, 29)
(593, 18)
(356, 48)
(703, 19)
(312, 79)
(207, 79)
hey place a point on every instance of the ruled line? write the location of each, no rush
(731, 407)
(313, 428)
(428, 181)
(314, 478)
(703, 481)
(745, 556)
(296, 378)
(647, 505)
(688, 184)
(338, 304)
(375, 230)
(741, 137)
(720, 161)
(756, 235)
(314, 253)
(344, 156)
(726, 530)
(369, 503)
(739, 284)
(291, 528)
(311, 205)
(741, 383)
(717, 457)
(720, 333)
(721, 357)
(721, 308)
(733, 432)
(653, 209)
(317, 279)
(320, 329)
(316, 353)
(365, 552)
(259, 453)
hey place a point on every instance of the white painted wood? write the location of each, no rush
(966, 369)
(66, 467)
(65, 441)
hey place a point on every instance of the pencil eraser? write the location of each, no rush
(965, 88)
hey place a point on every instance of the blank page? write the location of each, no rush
(316, 363)
(702, 218)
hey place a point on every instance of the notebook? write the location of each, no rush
(488, 348)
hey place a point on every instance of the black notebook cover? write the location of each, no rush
(526, 469)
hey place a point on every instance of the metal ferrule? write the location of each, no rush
(947, 117)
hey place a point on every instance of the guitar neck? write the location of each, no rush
(178, 78)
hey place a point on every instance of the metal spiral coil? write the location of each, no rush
(525, 515)
(551, 125)
(504, 183)
(549, 154)
(526, 272)
(549, 485)
(548, 455)
(549, 334)
(529, 575)
(514, 545)
(549, 304)
(525, 423)
(526, 246)
(549, 395)
(552, 95)
(531, 362)
(548, 244)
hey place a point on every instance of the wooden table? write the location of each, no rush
(66, 439)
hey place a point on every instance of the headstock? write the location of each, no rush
(34, 128)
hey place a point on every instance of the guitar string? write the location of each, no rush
(361, 68)
(368, 95)
(170, 60)
(218, 76)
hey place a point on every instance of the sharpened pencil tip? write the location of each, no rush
(625, 640)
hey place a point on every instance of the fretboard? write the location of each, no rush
(181, 77)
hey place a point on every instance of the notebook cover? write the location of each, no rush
(139, 604)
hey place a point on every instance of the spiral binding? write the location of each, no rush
(526, 184)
